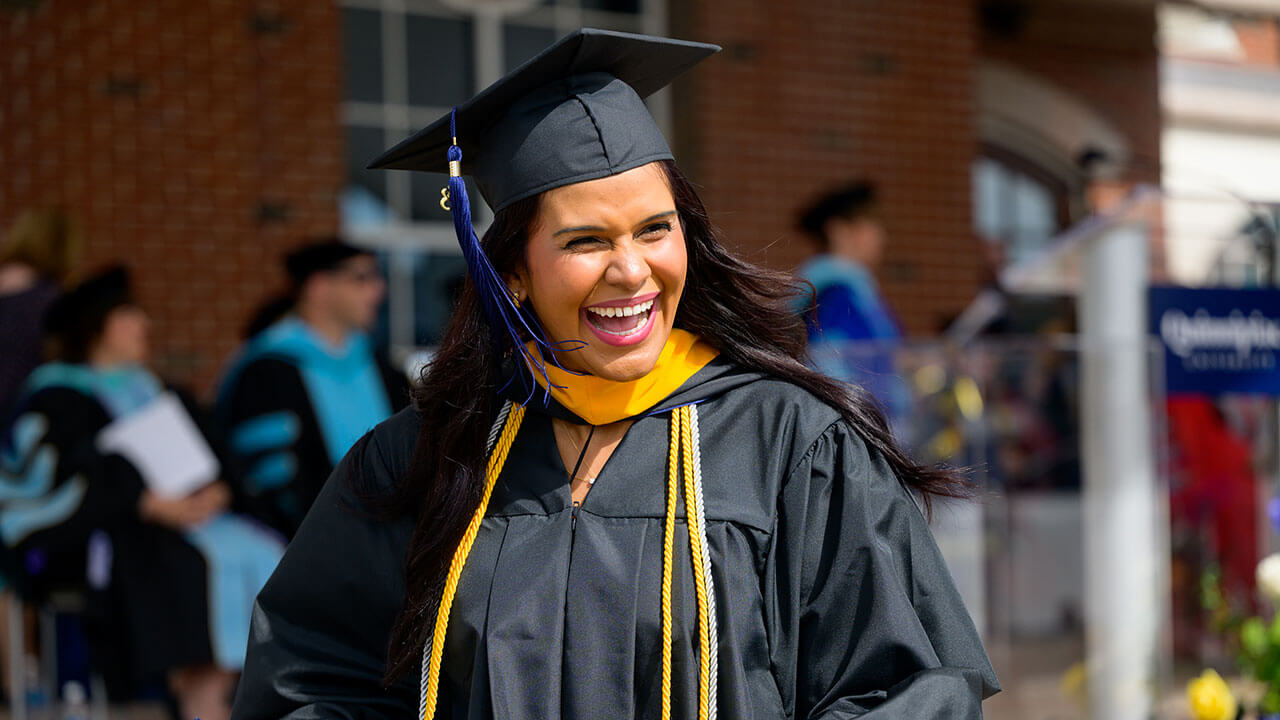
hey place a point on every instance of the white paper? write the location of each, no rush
(164, 444)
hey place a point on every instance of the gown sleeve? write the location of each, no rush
(49, 454)
(863, 616)
(281, 461)
(318, 642)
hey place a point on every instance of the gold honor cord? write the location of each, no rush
(496, 461)
(682, 430)
(668, 545)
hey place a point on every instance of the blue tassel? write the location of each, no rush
(506, 319)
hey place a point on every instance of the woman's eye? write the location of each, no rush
(657, 229)
(582, 242)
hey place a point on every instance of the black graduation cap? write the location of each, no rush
(574, 112)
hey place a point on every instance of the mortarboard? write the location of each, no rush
(575, 112)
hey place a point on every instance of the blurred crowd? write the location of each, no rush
(166, 578)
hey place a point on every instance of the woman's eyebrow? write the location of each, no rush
(597, 228)
(578, 228)
(658, 216)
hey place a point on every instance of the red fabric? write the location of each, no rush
(1217, 490)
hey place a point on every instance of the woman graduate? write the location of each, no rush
(170, 581)
(621, 492)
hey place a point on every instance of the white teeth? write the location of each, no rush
(623, 311)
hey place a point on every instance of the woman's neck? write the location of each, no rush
(332, 332)
(108, 359)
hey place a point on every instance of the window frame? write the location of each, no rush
(1065, 195)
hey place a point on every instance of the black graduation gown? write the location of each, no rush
(151, 612)
(833, 600)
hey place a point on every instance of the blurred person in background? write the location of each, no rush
(846, 304)
(308, 383)
(169, 581)
(853, 334)
(36, 259)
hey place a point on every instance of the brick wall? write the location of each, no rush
(809, 95)
(194, 140)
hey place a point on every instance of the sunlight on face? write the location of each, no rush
(606, 264)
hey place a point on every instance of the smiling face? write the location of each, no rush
(605, 263)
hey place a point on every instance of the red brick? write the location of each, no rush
(169, 180)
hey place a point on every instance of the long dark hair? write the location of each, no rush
(742, 310)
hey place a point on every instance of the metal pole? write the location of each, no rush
(1122, 554)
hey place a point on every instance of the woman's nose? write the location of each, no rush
(627, 268)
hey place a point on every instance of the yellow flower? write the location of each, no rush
(1210, 698)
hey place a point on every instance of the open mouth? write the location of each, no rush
(621, 322)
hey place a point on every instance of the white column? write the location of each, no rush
(1124, 556)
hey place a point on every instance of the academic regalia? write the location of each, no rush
(847, 304)
(832, 598)
(158, 599)
(293, 405)
(853, 335)
(801, 582)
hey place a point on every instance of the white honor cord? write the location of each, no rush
(700, 517)
(494, 433)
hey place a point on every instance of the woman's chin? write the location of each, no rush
(620, 364)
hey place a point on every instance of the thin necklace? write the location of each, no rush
(582, 454)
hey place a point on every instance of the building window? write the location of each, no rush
(407, 62)
(1015, 205)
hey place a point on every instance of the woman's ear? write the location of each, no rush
(516, 286)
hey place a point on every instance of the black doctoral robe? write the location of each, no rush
(157, 599)
(285, 431)
(833, 600)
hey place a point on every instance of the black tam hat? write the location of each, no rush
(573, 113)
(77, 317)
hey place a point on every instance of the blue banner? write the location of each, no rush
(1217, 340)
